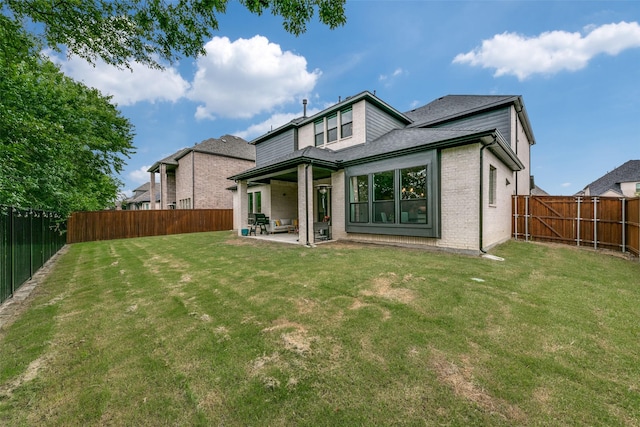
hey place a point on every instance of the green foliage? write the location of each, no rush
(121, 31)
(61, 143)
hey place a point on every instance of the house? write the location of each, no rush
(195, 177)
(441, 175)
(623, 181)
(141, 198)
(537, 191)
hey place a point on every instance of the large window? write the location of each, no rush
(395, 196)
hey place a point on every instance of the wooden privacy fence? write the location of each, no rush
(598, 222)
(108, 225)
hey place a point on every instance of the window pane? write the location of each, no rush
(359, 198)
(251, 203)
(258, 201)
(383, 184)
(319, 131)
(413, 211)
(359, 191)
(346, 117)
(414, 182)
(332, 128)
(359, 212)
(492, 185)
(383, 212)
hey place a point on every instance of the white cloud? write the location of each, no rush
(388, 79)
(243, 78)
(126, 86)
(566, 184)
(550, 52)
(141, 175)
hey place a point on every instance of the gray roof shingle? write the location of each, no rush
(455, 106)
(628, 172)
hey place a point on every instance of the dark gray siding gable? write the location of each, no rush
(278, 146)
(496, 119)
(379, 123)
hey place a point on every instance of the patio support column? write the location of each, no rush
(152, 191)
(305, 204)
(163, 186)
(243, 220)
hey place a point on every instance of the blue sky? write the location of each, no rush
(576, 64)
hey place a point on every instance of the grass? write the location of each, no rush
(212, 329)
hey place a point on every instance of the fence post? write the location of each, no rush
(595, 223)
(578, 234)
(526, 218)
(12, 240)
(624, 235)
(515, 214)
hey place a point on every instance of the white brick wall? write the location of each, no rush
(459, 174)
(497, 218)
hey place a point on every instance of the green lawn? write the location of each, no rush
(212, 329)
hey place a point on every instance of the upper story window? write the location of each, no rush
(335, 126)
(319, 131)
(346, 119)
(332, 128)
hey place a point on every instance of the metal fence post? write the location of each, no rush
(624, 226)
(526, 218)
(578, 233)
(595, 223)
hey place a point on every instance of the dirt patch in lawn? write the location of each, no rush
(461, 380)
(383, 287)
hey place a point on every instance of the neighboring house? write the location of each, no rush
(537, 191)
(623, 181)
(196, 177)
(141, 198)
(442, 175)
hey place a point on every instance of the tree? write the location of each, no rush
(152, 31)
(61, 143)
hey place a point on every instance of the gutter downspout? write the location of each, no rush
(481, 207)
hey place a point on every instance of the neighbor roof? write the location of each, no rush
(226, 146)
(628, 172)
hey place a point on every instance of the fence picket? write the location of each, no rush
(109, 225)
(614, 222)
